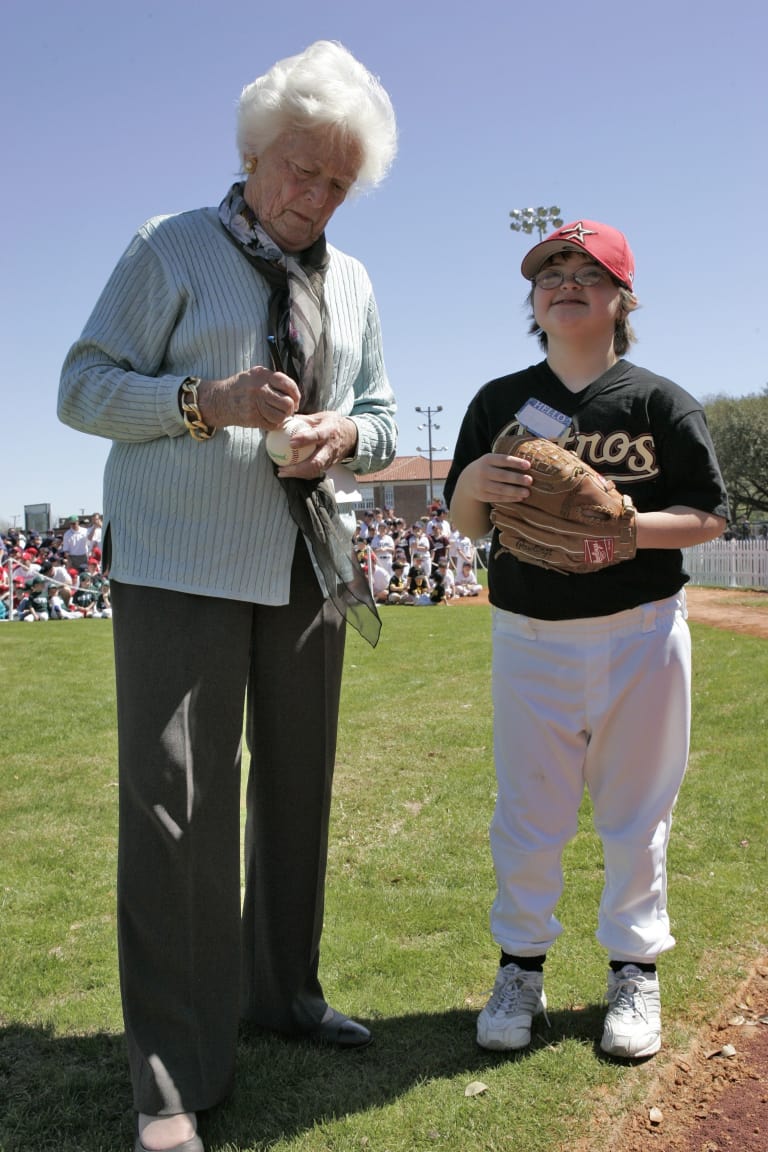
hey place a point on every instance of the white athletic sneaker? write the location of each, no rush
(633, 1022)
(505, 1022)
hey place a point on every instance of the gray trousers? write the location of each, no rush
(190, 964)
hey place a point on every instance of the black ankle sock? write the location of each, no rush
(617, 965)
(527, 963)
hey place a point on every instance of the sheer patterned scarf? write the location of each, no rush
(297, 318)
(301, 348)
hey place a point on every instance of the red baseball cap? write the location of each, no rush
(603, 244)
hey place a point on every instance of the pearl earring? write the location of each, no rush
(249, 165)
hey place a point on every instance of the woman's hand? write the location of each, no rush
(333, 437)
(258, 398)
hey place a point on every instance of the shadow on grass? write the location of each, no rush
(68, 1093)
(71, 1093)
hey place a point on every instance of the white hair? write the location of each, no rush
(323, 86)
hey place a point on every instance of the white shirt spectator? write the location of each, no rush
(465, 551)
(466, 581)
(75, 543)
(384, 547)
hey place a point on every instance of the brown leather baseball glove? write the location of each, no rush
(574, 519)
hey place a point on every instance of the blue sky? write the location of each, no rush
(651, 117)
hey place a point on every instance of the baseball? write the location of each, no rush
(280, 446)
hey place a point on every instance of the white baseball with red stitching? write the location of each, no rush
(281, 447)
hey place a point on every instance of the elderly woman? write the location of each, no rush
(232, 579)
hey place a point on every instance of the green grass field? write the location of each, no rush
(406, 943)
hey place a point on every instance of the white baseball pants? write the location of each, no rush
(601, 703)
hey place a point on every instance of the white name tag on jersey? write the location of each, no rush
(542, 420)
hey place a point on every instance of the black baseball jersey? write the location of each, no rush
(37, 601)
(644, 432)
(84, 597)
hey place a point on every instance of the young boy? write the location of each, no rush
(34, 606)
(397, 591)
(591, 672)
(84, 598)
(466, 584)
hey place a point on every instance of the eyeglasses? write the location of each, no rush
(587, 277)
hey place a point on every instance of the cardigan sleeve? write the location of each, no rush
(112, 382)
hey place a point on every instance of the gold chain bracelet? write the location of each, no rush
(190, 410)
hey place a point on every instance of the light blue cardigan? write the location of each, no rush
(206, 517)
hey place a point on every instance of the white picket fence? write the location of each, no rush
(728, 564)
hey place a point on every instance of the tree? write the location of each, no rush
(739, 428)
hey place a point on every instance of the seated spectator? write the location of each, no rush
(466, 581)
(34, 605)
(442, 589)
(104, 604)
(397, 592)
(443, 571)
(58, 607)
(84, 598)
(419, 586)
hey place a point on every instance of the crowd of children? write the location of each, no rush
(54, 577)
(59, 576)
(425, 563)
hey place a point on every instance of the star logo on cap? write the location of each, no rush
(576, 232)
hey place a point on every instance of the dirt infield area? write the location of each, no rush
(711, 1101)
(735, 609)
(715, 1099)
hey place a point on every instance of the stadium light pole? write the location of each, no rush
(526, 219)
(430, 424)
